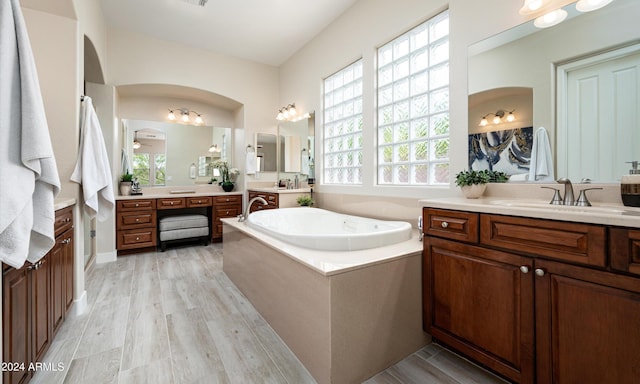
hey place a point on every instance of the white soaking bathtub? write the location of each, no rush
(316, 228)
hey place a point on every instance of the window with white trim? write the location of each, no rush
(413, 106)
(343, 126)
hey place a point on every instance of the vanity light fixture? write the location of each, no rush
(214, 148)
(185, 115)
(136, 143)
(591, 5)
(287, 113)
(497, 117)
(551, 18)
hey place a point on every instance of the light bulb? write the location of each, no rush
(185, 117)
(510, 117)
(484, 122)
(591, 5)
(171, 116)
(198, 119)
(531, 6)
(292, 110)
(496, 119)
(550, 19)
(136, 144)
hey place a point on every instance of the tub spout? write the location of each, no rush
(245, 215)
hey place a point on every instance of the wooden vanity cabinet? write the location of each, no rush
(534, 300)
(477, 300)
(587, 325)
(35, 300)
(223, 207)
(136, 225)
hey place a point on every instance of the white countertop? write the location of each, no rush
(605, 214)
(168, 195)
(330, 262)
(281, 190)
(63, 202)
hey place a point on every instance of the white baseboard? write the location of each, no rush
(106, 257)
(80, 305)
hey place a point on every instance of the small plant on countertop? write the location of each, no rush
(305, 201)
(126, 177)
(464, 178)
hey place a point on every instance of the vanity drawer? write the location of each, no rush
(136, 219)
(63, 220)
(231, 199)
(624, 249)
(454, 225)
(573, 242)
(136, 238)
(172, 203)
(132, 205)
(193, 202)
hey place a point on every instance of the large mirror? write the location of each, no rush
(170, 154)
(296, 141)
(266, 152)
(523, 70)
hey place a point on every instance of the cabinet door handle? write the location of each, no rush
(137, 205)
(137, 220)
(444, 224)
(539, 272)
(137, 239)
(172, 203)
(524, 269)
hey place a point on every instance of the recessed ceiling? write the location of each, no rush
(264, 31)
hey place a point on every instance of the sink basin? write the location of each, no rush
(594, 209)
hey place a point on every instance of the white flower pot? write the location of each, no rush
(473, 191)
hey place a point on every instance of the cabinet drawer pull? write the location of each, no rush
(227, 200)
(171, 203)
(444, 224)
(137, 205)
(227, 212)
(137, 239)
(524, 269)
(68, 219)
(137, 220)
(539, 272)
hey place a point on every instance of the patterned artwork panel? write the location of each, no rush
(507, 151)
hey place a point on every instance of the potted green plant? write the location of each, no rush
(304, 201)
(472, 183)
(125, 184)
(228, 174)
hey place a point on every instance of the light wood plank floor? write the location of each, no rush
(175, 317)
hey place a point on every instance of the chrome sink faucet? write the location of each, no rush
(568, 191)
(247, 210)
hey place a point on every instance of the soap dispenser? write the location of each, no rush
(630, 186)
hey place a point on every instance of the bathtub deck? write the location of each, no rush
(344, 326)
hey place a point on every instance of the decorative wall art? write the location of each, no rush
(507, 151)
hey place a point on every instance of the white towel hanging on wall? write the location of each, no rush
(27, 163)
(250, 162)
(92, 167)
(541, 164)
